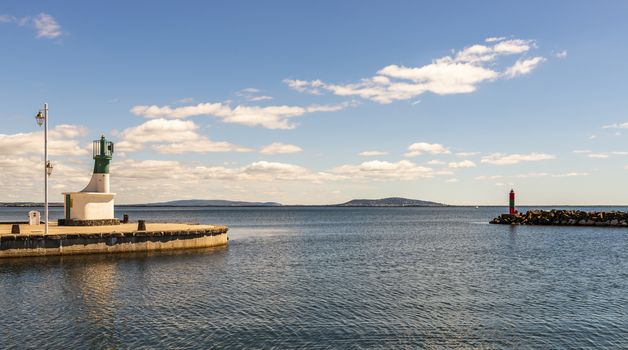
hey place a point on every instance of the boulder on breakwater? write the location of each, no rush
(565, 218)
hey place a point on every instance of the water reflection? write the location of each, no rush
(92, 287)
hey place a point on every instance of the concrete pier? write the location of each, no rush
(68, 240)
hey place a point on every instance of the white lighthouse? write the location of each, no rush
(94, 204)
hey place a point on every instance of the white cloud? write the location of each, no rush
(382, 170)
(133, 139)
(561, 54)
(529, 175)
(250, 90)
(201, 145)
(461, 72)
(146, 169)
(62, 140)
(180, 112)
(494, 39)
(280, 148)
(419, 148)
(47, 26)
(311, 87)
(620, 153)
(462, 164)
(172, 137)
(436, 162)
(25, 182)
(22, 21)
(582, 151)
(372, 153)
(251, 94)
(260, 98)
(186, 100)
(507, 159)
(598, 155)
(616, 126)
(452, 180)
(522, 67)
(262, 171)
(513, 46)
(271, 117)
(467, 154)
(488, 177)
(439, 75)
(532, 175)
(7, 19)
(572, 174)
(19, 166)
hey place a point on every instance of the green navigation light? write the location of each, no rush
(103, 152)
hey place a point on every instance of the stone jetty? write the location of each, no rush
(21, 239)
(565, 218)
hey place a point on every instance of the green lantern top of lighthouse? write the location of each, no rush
(103, 152)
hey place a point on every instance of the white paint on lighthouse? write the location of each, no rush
(98, 183)
(95, 201)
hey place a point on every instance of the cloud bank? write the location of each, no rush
(270, 117)
(172, 137)
(458, 73)
(509, 159)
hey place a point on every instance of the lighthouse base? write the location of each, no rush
(87, 207)
(101, 222)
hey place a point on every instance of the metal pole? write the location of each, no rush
(46, 167)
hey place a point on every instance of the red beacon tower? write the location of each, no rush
(511, 207)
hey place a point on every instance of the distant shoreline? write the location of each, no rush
(60, 205)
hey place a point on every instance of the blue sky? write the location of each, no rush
(456, 101)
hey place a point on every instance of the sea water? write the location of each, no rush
(330, 278)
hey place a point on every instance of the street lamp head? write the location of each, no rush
(40, 118)
(49, 168)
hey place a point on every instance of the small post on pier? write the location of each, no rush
(511, 207)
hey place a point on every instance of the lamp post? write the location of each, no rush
(43, 119)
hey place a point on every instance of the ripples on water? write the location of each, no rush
(330, 278)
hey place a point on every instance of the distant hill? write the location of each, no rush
(384, 202)
(211, 203)
(390, 202)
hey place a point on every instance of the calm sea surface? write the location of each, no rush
(330, 278)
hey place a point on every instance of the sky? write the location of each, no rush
(319, 102)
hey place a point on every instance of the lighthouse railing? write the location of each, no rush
(96, 148)
(102, 148)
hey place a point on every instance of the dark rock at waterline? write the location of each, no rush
(564, 218)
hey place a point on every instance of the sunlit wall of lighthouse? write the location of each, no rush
(94, 204)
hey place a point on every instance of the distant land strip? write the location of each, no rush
(383, 202)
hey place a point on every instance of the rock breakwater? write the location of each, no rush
(565, 218)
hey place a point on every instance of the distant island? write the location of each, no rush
(383, 202)
(390, 202)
